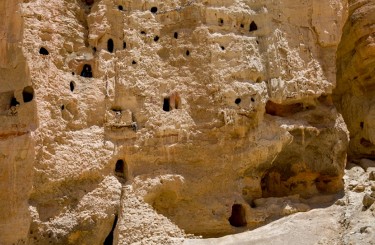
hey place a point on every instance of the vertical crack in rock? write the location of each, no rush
(109, 239)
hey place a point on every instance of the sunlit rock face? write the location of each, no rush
(159, 119)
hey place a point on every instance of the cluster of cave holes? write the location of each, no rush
(238, 101)
(46, 236)
(253, 26)
(27, 96)
(238, 216)
(121, 169)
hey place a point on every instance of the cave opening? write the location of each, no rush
(361, 124)
(120, 7)
(14, 102)
(109, 239)
(154, 10)
(366, 143)
(187, 52)
(110, 45)
(242, 25)
(28, 94)
(89, 2)
(86, 71)
(43, 51)
(166, 104)
(156, 38)
(72, 86)
(220, 21)
(282, 110)
(253, 26)
(124, 45)
(175, 35)
(120, 167)
(237, 101)
(238, 216)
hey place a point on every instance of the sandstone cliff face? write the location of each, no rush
(355, 78)
(18, 119)
(161, 119)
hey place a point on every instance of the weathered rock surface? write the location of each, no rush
(355, 77)
(344, 223)
(166, 120)
(18, 119)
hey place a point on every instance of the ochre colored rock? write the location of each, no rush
(145, 121)
(368, 200)
(355, 77)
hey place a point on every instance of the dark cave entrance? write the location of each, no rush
(14, 102)
(72, 86)
(110, 45)
(253, 26)
(238, 216)
(86, 71)
(28, 94)
(43, 51)
(154, 10)
(166, 104)
(121, 169)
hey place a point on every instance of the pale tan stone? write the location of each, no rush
(217, 129)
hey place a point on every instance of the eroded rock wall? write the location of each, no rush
(159, 119)
(18, 118)
(355, 77)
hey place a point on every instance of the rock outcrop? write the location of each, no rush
(159, 119)
(355, 78)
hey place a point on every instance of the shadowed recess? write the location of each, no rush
(109, 238)
(238, 216)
